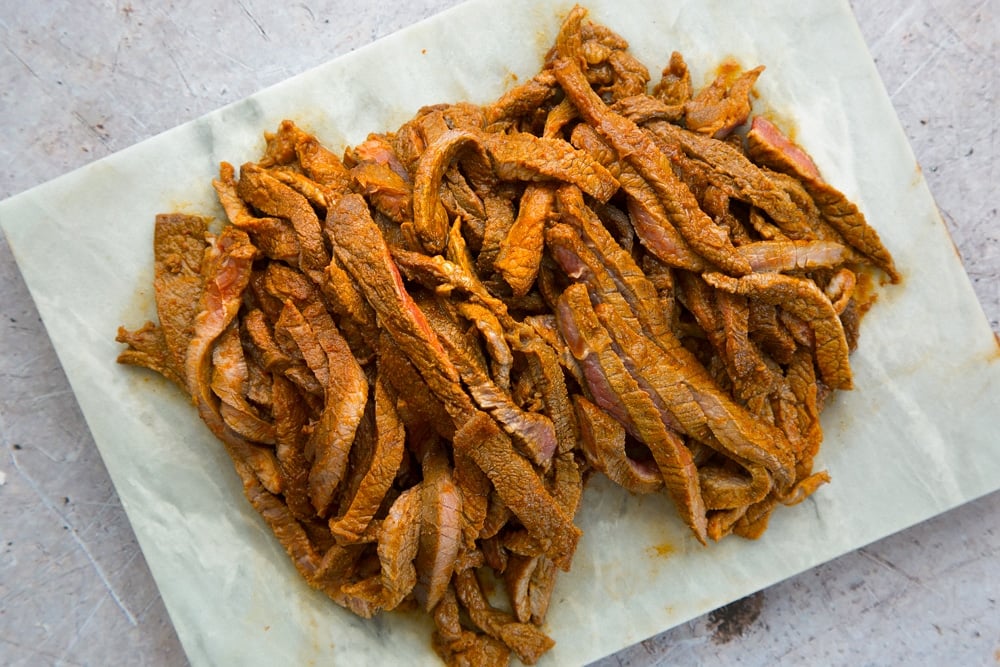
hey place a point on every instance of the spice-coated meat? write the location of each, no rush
(520, 487)
(417, 355)
(346, 395)
(768, 145)
(147, 348)
(674, 86)
(521, 250)
(603, 442)
(616, 388)
(230, 376)
(641, 151)
(385, 461)
(803, 299)
(441, 528)
(178, 249)
(523, 156)
(720, 107)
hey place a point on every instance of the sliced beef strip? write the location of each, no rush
(226, 274)
(787, 256)
(720, 107)
(803, 299)
(517, 581)
(441, 528)
(340, 567)
(283, 524)
(540, 589)
(474, 487)
(718, 204)
(737, 176)
(227, 271)
(147, 348)
(840, 289)
(547, 376)
(492, 334)
(387, 190)
(521, 250)
(662, 278)
(619, 224)
(359, 462)
(289, 419)
(569, 40)
(269, 195)
(279, 146)
(754, 522)
(346, 395)
(746, 365)
(767, 145)
(459, 647)
(801, 376)
(768, 331)
(438, 271)
(317, 195)
(583, 265)
(460, 199)
(230, 377)
(603, 443)
(566, 481)
(345, 298)
(322, 166)
(273, 358)
(628, 278)
(844, 216)
(178, 252)
(501, 214)
(615, 390)
(258, 380)
(377, 148)
(524, 639)
(398, 545)
(725, 321)
(417, 403)
(707, 413)
(674, 87)
(520, 487)
(642, 108)
(523, 99)
(726, 488)
(534, 433)
(630, 77)
(497, 513)
(381, 471)
(284, 283)
(558, 118)
(297, 338)
(805, 487)
(430, 218)
(522, 156)
(642, 152)
(365, 256)
(398, 541)
(721, 522)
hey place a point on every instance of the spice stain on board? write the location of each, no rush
(662, 550)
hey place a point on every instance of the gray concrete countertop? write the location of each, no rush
(81, 80)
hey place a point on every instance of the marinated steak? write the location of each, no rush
(417, 355)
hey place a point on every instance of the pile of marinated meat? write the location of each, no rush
(416, 354)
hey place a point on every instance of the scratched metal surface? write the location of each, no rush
(81, 80)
